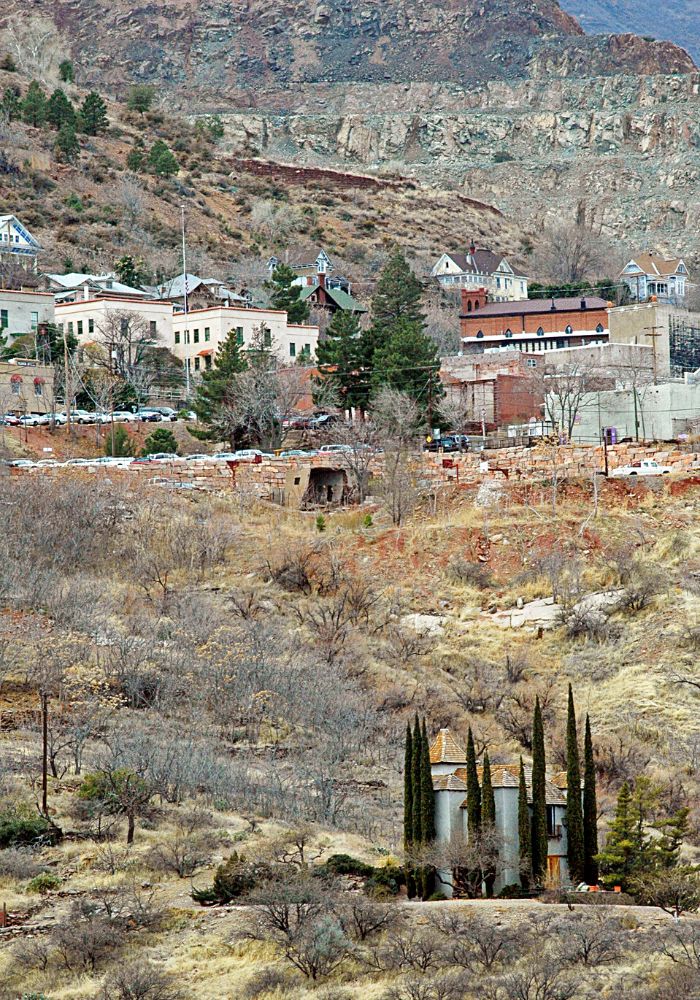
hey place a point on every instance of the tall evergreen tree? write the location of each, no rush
(93, 114)
(216, 390)
(620, 859)
(417, 772)
(427, 808)
(397, 296)
(11, 106)
(59, 110)
(524, 830)
(674, 830)
(539, 842)
(65, 71)
(286, 295)
(34, 105)
(343, 362)
(574, 811)
(473, 790)
(488, 817)
(407, 359)
(408, 808)
(67, 145)
(590, 811)
(161, 160)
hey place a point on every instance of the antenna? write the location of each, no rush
(184, 278)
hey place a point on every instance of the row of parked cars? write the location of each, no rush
(146, 414)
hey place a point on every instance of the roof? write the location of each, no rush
(74, 280)
(446, 750)
(649, 263)
(508, 776)
(175, 287)
(342, 299)
(528, 306)
(13, 220)
(448, 783)
(482, 261)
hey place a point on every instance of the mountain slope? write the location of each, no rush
(675, 20)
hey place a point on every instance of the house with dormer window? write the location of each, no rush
(649, 275)
(481, 268)
(17, 245)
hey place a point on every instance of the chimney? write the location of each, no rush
(321, 279)
(553, 307)
(464, 293)
(472, 246)
(583, 303)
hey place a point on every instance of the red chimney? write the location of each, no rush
(472, 247)
(321, 279)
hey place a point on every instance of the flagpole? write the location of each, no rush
(184, 277)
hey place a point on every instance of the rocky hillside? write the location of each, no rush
(678, 21)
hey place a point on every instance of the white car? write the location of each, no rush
(34, 420)
(334, 449)
(251, 454)
(647, 467)
(125, 417)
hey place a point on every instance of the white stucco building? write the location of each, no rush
(448, 762)
(198, 334)
(22, 311)
(90, 320)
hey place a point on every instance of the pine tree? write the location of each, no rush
(417, 772)
(162, 439)
(524, 830)
(11, 105)
(408, 806)
(286, 295)
(574, 813)
(65, 71)
(407, 359)
(59, 110)
(140, 98)
(619, 860)
(488, 816)
(123, 447)
(674, 830)
(473, 790)
(130, 270)
(136, 156)
(67, 145)
(216, 390)
(34, 105)
(590, 811)
(397, 297)
(161, 160)
(342, 360)
(539, 841)
(93, 114)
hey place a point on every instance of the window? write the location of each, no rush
(60, 327)
(498, 282)
(307, 349)
(124, 324)
(152, 327)
(177, 336)
(480, 333)
(207, 362)
(91, 326)
(70, 328)
(532, 362)
(239, 335)
(35, 320)
(267, 337)
(551, 822)
(16, 384)
(509, 333)
(292, 350)
(207, 334)
(540, 331)
(4, 319)
(187, 336)
(568, 330)
(195, 336)
(38, 388)
(560, 344)
(196, 364)
(80, 328)
(600, 328)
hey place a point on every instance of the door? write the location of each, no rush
(553, 870)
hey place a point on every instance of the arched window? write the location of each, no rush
(480, 333)
(16, 385)
(476, 305)
(469, 306)
(540, 331)
(600, 328)
(509, 333)
(568, 330)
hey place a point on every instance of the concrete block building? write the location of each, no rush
(21, 312)
(448, 763)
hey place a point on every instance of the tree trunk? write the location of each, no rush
(130, 828)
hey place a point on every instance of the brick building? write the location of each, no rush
(491, 390)
(533, 325)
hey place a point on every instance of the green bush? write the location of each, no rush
(43, 883)
(386, 880)
(233, 879)
(19, 825)
(320, 523)
(160, 440)
(436, 897)
(513, 891)
(345, 864)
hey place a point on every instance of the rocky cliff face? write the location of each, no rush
(677, 21)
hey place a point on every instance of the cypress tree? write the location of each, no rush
(574, 813)
(417, 774)
(427, 809)
(524, 831)
(539, 842)
(488, 817)
(408, 808)
(473, 790)
(590, 811)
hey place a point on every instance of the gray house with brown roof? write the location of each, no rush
(478, 267)
(448, 762)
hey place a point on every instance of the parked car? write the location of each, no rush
(323, 420)
(224, 456)
(334, 449)
(297, 423)
(646, 467)
(296, 453)
(33, 420)
(78, 461)
(47, 463)
(251, 454)
(149, 415)
(22, 463)
(165, 456)
(58, 418)
(83, 417)
(10, 420)
(197, 457)
(189, 414)
(125, 416)
(448, 443)
(167, 412)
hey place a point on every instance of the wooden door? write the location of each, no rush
(553, 870)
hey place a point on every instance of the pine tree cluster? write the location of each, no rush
(419, 806)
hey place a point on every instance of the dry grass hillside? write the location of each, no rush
(257, 674)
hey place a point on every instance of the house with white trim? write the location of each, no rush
(17, 245)
(649, 274)
(481, 268)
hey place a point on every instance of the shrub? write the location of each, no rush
(474, 574)
(344, 864)
(587, 623)
(18, 864)
(320, 523)
(386, 880)
(265, 981)
(43, 883)
(233, 879)
(160, 440)
(20, 825)
(513, 891)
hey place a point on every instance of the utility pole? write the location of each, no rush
(66, 381)
(605, 448)
(44, 752)
(652, 331)
(184, 278)
(636, 415)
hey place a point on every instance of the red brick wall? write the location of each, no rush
(550, 321)
(517, 399)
